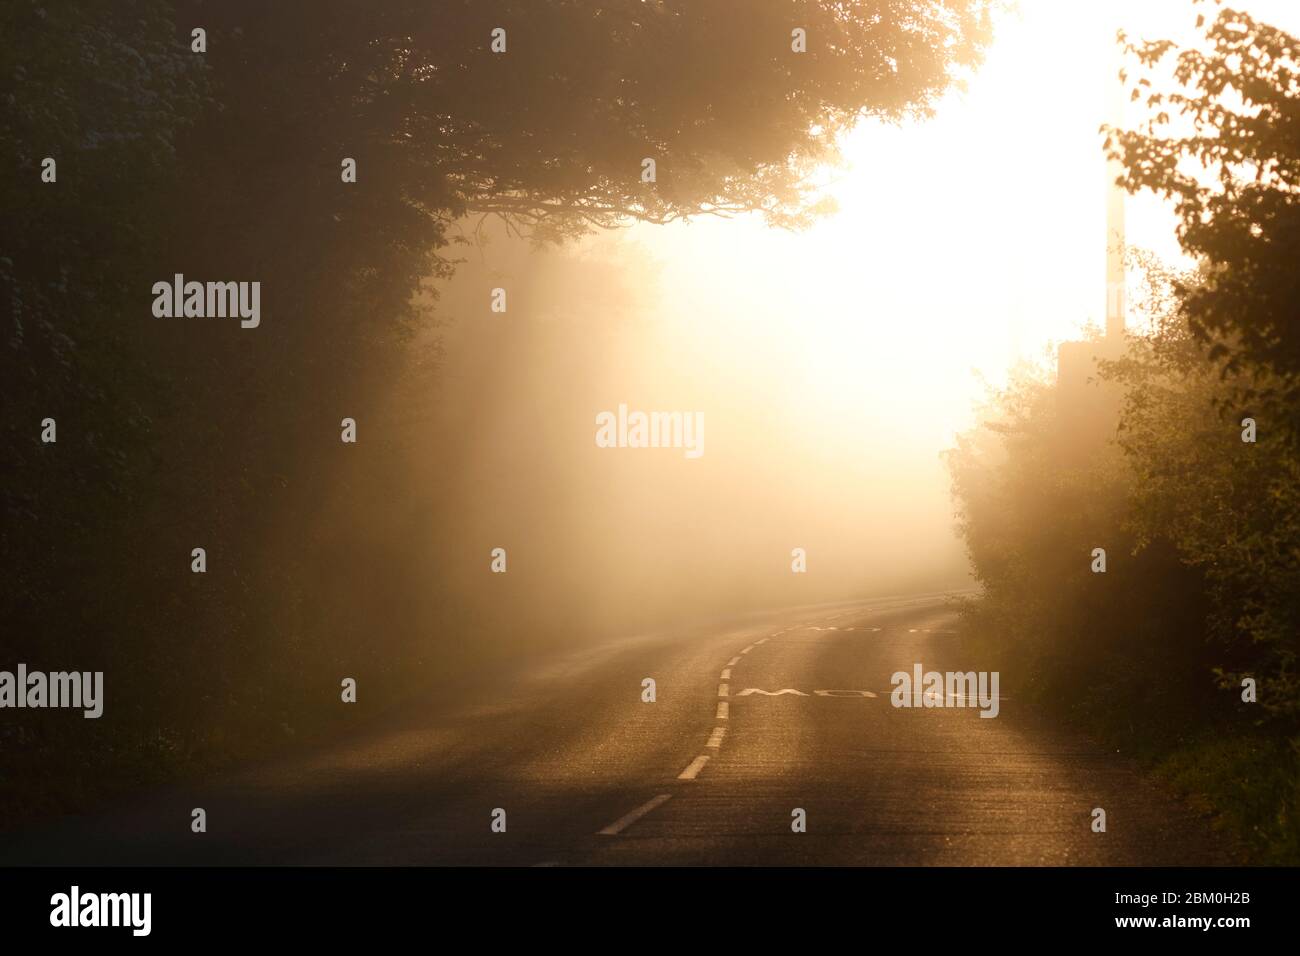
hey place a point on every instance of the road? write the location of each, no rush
(710, 773)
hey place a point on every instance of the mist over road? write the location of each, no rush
(569, 750)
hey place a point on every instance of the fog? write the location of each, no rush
(831, 368)
(494, 422)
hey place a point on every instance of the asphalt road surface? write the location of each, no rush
(711, 773)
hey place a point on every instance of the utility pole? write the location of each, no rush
(1115, 273)
(1088, 404)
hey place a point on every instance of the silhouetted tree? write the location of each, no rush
(1234, 111)
(225, 165)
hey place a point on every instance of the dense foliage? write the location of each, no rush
(226, 165)
(1201, 528)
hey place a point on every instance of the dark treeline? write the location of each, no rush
(1201, 527)
(225, 165)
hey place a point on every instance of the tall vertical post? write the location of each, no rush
(1115, 294)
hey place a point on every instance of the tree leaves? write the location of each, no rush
(1240, 96)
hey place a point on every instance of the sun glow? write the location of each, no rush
(835, 365)
(963, 243)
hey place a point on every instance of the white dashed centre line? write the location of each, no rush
(693, 768)
(623, 822)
